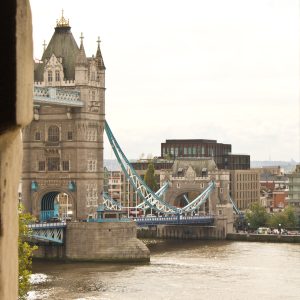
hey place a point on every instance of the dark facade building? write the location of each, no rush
(221, 153)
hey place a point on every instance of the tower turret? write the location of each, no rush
(81, 65)
(99, 56)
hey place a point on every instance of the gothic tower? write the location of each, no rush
(63, 145)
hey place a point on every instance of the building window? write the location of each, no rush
(53, 134)
(93, 95)
(93, 76)
(53, 163)
(66, 165)
(57, 76)
(194, 151)
(49, 76)
(70, 135)
(92, 165)
(37, 136)
(41, 165)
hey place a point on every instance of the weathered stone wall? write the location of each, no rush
(191, 232)
(114, 242)
(104, 242)
(16, 81)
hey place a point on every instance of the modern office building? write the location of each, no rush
(244, 187)
(221, 153)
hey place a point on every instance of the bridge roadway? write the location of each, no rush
(175, 220)
(54, 232)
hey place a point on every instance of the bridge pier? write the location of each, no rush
(110, 241)
(223, 225)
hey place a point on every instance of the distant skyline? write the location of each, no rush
(222, 70)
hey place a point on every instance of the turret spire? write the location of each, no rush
(81, 57)
(44, 45)
(99, 55)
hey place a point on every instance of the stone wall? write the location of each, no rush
(16, 80)
(191, 232)
(113, 242)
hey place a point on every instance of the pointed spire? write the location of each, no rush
(99, 55)
(81, 57)
(44, 45)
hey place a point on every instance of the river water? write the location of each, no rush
(179, 270)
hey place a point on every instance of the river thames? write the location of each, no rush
(179, 270)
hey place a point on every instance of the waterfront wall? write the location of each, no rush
(113, 242)
(190, 232)
(272, 238)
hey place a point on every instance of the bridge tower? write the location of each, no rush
(63, 145)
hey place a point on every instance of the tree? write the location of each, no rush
(25, 253)
(256, 216)
(150, 177)
(286, 218)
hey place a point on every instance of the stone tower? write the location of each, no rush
(63, 145)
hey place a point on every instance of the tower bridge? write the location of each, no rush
(63, 163)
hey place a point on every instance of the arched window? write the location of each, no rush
(49, 76)
(53, 134)
(57, 76)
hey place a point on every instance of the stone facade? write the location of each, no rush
(63, 145)
(111, 241)
(191, 177)
(16, 112)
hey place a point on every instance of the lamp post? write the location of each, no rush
(249, 227)
(279, 228)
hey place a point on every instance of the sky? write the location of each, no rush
(193, 69)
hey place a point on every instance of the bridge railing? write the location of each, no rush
(175, 220)
(47, 225)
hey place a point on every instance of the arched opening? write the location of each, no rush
(56, 206)
(53, 134)
(185, 198)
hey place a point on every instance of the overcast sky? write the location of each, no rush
(192, 69)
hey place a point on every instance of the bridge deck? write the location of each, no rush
(175, 220)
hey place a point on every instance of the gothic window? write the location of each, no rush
(70, 135)
(92, 165)
(66, 165)
(92, 135)
(53, 163)
(49, 76)
(53, 134)
(37, 136)
(41, 165)
(93, 76)
(57, 76)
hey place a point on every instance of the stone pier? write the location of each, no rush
(106, 242)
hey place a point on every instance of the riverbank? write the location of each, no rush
(271, 238)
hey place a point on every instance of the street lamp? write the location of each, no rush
(249, 226)
(279, 226)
